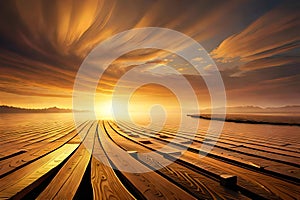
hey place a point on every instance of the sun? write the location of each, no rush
(104, 110)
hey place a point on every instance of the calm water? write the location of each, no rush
(14, 123)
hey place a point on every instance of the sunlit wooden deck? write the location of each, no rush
(55, 164)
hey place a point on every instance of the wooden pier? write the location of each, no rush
(55, 162)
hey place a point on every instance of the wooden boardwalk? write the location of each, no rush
(53, 162)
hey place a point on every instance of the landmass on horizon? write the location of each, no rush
(12, 109)
(256, 109)
(285, 115)
(231, 109)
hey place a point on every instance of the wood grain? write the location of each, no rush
(21, 182)
(105, 182)
(150, 184)
(65, 184)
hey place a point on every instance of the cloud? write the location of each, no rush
(198, 59)
(43, 43)
(266, 42)
(269, 62)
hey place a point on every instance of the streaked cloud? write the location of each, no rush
(267, 42)
(43, 43)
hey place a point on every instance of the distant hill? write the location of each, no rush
(257, 109)
(11, 109)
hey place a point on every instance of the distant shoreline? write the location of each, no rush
(11, 109)
(245, 121)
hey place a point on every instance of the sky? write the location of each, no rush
(255, 44)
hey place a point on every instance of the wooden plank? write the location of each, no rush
(150, 184)
(280, 168)
(24, 141)
(65, 184)
(13, 136)
(189, 179)
(105, 182)
(9, 165)
(21, 182)
(34, 137)
(262, 185)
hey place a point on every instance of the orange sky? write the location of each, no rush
(255, 45)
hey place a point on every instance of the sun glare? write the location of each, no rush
(104, 110)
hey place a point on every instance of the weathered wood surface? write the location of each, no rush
(286, 167)
(21, 182)
(249, 178)
(65, 184)
(150, 184)
(15, 162)
(54, 162)
(105, 182)
(198, 184)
